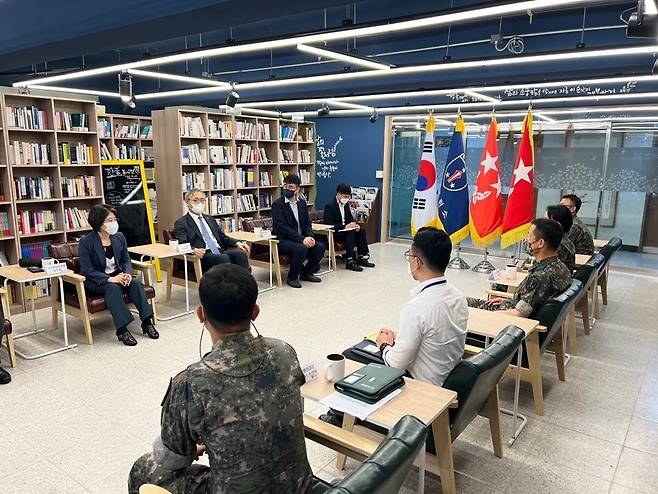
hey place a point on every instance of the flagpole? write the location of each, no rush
(458, 262)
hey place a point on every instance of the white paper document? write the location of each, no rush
(356, 408)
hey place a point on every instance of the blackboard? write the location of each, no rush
(124, 183)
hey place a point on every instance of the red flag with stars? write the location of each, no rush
(486, 211)
(520, 208)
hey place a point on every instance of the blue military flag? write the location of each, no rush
(453, 193)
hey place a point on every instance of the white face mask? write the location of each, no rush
(197, 208)
(111, 227)
(409, 270)
(344, 200)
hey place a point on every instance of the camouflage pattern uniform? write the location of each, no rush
(546, 279)
(243, 401)
(566, 252)
(581, 237)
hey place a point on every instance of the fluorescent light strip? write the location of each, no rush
(544, 117)
(179, 78)
(342, 57)
(344, 104)
(380, 29)
(265, 113)
(78, 91)
(481, 97)
(650, 7)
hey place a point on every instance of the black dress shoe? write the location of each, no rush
(310, 277)
(5, 377)
(363, 261)
(332, 418)
(294, 283)
(150, 331)
(127, 338)
(353, 266)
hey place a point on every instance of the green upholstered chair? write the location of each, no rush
(588, 274)
(607, 251)
(386, 469)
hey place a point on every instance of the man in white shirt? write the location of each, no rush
(206, 236)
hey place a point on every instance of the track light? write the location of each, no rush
(324, 110)
(125, 87)
(131, 102)
(373, 118)
(232, 98)
(643, 23)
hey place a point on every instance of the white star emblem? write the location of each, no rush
(489, 163)
(497, 187)
(522, 172)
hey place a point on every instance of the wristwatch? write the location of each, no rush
(383, 346)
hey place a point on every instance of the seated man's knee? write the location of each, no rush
(113, 288)
(141, 473)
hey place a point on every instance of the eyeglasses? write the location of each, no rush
(408, 255)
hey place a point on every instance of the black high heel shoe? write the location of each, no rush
(127, 338)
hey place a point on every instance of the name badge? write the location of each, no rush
(184, 248)
(310, 371)
(54, 269)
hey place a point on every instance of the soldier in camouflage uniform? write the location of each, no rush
(547, 278)
(579, 234)
(240, 404)
(566, 252)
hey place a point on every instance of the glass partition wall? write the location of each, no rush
(612, 166)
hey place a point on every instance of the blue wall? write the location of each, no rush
(358, 155)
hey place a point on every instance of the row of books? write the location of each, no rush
(75, 218)
(263, 131)
(221, 154)
(220, 129)
(147, 153)
(78, 122)
(265, 179)
(191, 126)
(264, 200)
(192, 154)
(306, 133)
(221, 178)
(245, 130)
(105, 152)
(150, 173)
(5, 230)
(30, 222)
(29, 153)
(304, 156)
(79, 186)
(248, 154)
(228, 224)
(246, 178)
(129, 131)
(126, 152)
(221, 204)
(194, 180)
(34, 187)
(39, 289)
(288, 133)
(246, 202)
(75, 154)
(26, 117)
(304, 176)
(146, 132)
(286, 156)
(35, 250)
(104, 128)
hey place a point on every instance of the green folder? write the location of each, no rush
(371, 383)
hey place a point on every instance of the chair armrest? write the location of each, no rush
(3, 291)
(141, 265)
(74, 278)
(472, 349)
(497, 293)
(541, 329)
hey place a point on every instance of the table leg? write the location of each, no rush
(443, 445)
(515, 411)
(330, 247)
(271, 259)
(348, 424)
(187, 295)
(421, 470)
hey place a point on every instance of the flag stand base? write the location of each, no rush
(484, 266)
(458, 262)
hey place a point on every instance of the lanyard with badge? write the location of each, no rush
(440, 282)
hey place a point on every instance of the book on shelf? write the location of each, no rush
(245, 130)
(4, 261)
(147, 153)
(192, 154)
(146, 132)
(228, 224)
(246, 202)
(26, 117)
(28, 188)
(304, 176)
(35, 250)
(286, 156)
(75, 154)
(30, 222)
(288, 133)
(75, 218)
(262, 156)
(221, 178)
(78, 122)
(29, 153)
(306, 134)
(265, 179)
(264, 132)
(191, 126)
(126, 131)
(150, 173)
(246, 177)
(305, 195)
(79, 186)
(283, 174)
(105, 152)
(264, 200)
(194, 180)
(36, 290)
(104, 128)
(127, 152)
(221, 154)
(221, 204)
(304, 156)
(4, 224)
(220, 129)
(246, 154)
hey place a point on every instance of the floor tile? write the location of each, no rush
(643, 436)
(638, 471)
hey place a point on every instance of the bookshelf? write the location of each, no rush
(239, 161)
(49, 175)
(130, 137)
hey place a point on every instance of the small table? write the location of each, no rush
(328, 230)
(164, 251)
(430, 404)
(489, 324)
(252, 238)
(582, 259)
(598, 243)
(512, 282)
(23, 276)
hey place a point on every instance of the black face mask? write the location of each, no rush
(288, 194)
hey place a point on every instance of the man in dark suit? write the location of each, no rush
(206, 236)
(338, 214)
(292, 227)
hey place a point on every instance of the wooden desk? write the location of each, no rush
(582, 259)
(512, 282)
(23, 276)
(491, 323)
(328, 231)
(598, 243)
(428, 403)
(272, 243)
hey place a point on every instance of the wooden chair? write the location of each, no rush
(78, 303)
(260, 253)
(176, 269)
(7, 328)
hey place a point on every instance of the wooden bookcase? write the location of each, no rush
(171, 141)
(141, 146)
(12, 245)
